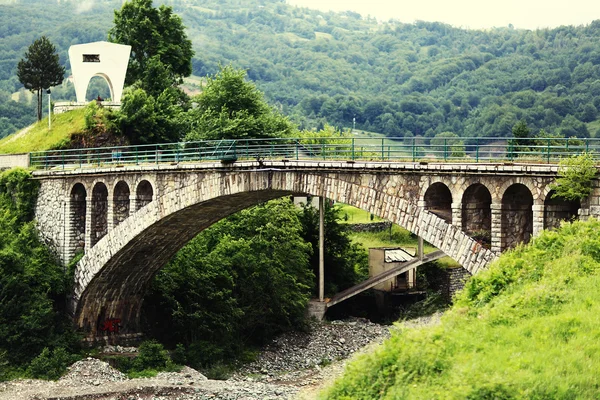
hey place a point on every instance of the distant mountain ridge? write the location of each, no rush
(340, 68)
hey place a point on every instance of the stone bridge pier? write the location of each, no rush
(130, 221)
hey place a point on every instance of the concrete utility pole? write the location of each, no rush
(321, 249)
(420, 248)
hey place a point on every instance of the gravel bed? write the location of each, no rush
(290, 366)
(299, 355)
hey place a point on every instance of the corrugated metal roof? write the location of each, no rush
(397, 255)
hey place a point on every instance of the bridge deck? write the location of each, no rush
(384, 276)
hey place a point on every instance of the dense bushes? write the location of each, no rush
(237, 284)
(245, 279)
(32, 286)
(526, 328)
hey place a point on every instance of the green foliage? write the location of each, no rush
(40, 69)
(178, 356)
(230, 107)
(145, 119)
(155, 35)
(346, 262)
(151, 355)
(447, 145)
(32, 285)
(238, 283)
(50, 365)
(151, 359)
(525, 328)
(98, 120)
(575, 177)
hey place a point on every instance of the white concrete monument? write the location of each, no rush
(108, 60)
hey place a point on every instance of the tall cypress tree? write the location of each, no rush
(40, 69)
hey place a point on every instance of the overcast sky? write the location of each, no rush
(474, 14)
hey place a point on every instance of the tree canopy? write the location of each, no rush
(152, 32)
(40, 69)
(230, 107)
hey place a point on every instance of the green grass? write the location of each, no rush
(527, 328)
(355, 215)
(399, 237)
(39, 138)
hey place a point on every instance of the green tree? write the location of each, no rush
(238, 283)
(575, 175)
(152, 32)
(346, 262)
(521, 142)
(232, 108)
(33, 286)
(40, 69)
(447, 145)
(146, 119)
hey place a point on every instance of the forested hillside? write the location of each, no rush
(400, 79)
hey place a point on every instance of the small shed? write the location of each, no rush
(385, 258)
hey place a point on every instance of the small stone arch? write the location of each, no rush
(517, 216)
(438, 201)
(557, 210)
(121, 204)
(144, 194)
(77, 217)
(477, 213)
(99, 212)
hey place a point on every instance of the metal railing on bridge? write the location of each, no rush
(464, 150)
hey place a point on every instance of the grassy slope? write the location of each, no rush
(39, 138)
(528, 328)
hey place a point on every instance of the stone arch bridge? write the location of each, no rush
(130, 221)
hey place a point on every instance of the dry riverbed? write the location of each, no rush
(295, 365)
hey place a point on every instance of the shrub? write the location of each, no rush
(151, 355)
(575, 177)
(50, 364)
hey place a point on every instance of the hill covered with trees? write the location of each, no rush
(399, 79)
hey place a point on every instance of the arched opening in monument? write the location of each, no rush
(77, 211)
(143, 194)
(477, 213)
(517, 216)
(438, 200)
(557, 210)
(99, 212)
(99, 86)
(120, 203)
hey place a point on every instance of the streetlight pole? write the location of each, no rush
(49, 110)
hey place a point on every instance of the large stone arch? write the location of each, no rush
(112, 277)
